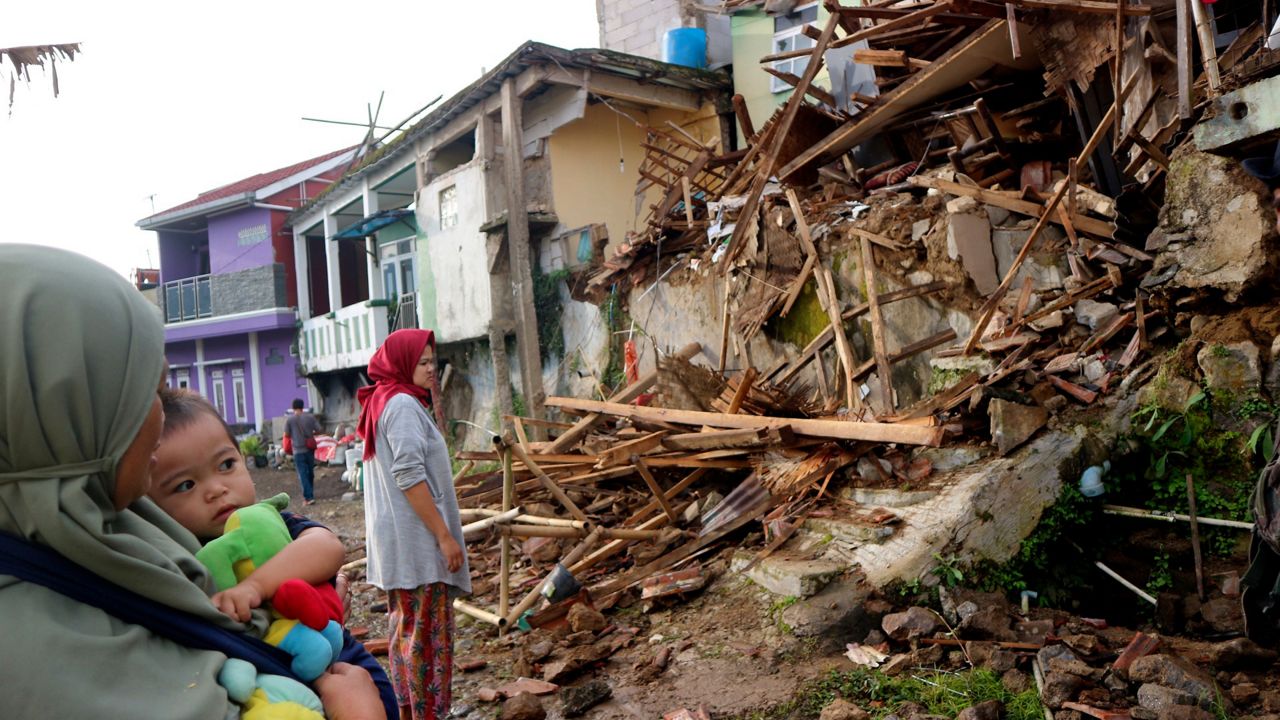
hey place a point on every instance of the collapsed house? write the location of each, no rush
(952, 255)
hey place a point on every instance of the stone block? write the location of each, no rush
(786, 575)
(1228, 222)
(969, 240)
(1013, 424)
(1234, 366)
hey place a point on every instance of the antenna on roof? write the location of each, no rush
(152, 198)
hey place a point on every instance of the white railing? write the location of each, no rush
(342, 340)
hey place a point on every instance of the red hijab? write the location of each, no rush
(391, 371)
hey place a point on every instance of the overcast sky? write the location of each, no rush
(172, 99)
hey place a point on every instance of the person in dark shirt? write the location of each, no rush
(200, 478)
(301, 429)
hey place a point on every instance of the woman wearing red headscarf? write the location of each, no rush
(413, 530)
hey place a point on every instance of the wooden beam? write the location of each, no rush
(521, 270)
(824, 338)
(1083, 223)
(909, 20)
(620, 88)
(658, 493)
(547, 482)
(830, 429)
(945, 73)
(580, 429)
(1090, 7)
(884, 370)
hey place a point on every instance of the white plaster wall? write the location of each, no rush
(456, 262)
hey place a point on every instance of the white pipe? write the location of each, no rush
(1171, 517)
(1125, 583)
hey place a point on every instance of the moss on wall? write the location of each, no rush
(805, 321)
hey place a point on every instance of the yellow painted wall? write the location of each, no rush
(752, 33)
(586, 185)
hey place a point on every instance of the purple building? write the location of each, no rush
(228, 290)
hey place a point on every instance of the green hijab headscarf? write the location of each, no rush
(82, 356)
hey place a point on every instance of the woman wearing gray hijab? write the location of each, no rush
(81, 356)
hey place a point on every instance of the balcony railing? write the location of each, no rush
(232, 293)
(343, 339)
(188, 299)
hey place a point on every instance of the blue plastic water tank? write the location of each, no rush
(685, 46)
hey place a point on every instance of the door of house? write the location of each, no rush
(398, 268)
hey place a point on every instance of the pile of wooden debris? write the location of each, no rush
(1062, 112)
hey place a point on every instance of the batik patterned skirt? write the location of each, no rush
(421, 649)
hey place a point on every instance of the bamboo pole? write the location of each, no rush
(480, 614)
(508, 506)
(473, 530)
(1195, 537)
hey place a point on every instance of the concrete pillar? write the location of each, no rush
(302, 274)
(371, 245)
(331, 261)
(255, 376)
(198, 366)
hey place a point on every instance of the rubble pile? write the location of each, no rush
(1009, 158)
(1019, 149)
(1080, 667)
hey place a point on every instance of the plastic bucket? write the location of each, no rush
(685, 46)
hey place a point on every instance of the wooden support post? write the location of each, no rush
(883, 368)
(1011, 18)
(686, 188)
(655, 488)
(744, 118)
(1183, 47)
(1208, 50)
(744, 387)
(546, 481)
(518, 247)
(508, 502)
(724, 325)
(1195, 536)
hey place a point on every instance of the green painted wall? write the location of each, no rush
(752, 33)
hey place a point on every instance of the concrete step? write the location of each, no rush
(847, 530)
(888, 497)
(787, 573)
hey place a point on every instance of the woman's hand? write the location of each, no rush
(453, 555)
(348, 693)
(237, 602)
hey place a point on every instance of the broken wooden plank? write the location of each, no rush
(580, 429)
(658, 493)
(966, 60)
(1083, 223)
(1084, 395)
(546, 481)
(884, 369)
(825, 337)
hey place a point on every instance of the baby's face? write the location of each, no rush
(200, 477)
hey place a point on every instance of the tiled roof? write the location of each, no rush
(251, 183)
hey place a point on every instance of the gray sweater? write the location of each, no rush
(403, 554)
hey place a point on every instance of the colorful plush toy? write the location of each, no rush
(307, 616)
(268, 697)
